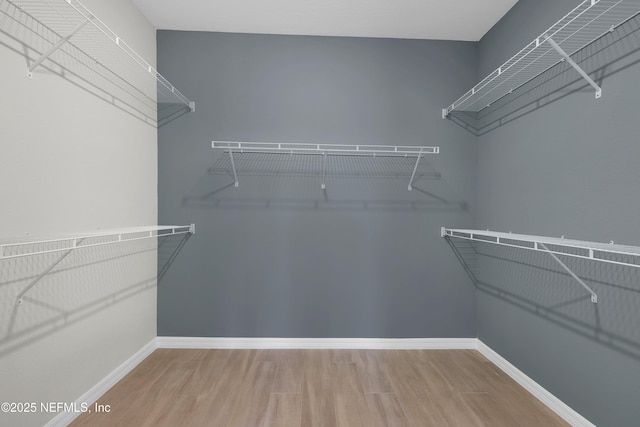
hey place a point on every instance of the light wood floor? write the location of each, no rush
(252, 388)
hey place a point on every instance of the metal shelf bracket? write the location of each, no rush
(571, 62)
(55, 47)
(233, 167)
(594, 297)
(415, 168)
(45, 272)
(324, 171)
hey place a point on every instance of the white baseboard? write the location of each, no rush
(552, 402)
(319, 343)
(91, 396)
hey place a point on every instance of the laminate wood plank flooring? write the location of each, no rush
(319, 388)
(318, 405)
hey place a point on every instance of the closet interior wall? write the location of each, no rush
(278, 256)
(557, 162)
(70, 162)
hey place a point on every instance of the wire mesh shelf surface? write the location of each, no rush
(590, 20)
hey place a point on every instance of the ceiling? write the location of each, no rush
(466, 20)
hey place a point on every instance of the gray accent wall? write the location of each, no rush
(279, 257)
(563, 163)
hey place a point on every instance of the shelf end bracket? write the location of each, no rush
(571, 62)
(594, 297)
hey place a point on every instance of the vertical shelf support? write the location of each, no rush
(55, 47)
(415, 168)
(571, 62)
(233, 167)
(324, 170)
(594, 297)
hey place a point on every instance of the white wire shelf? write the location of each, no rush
(325, 150)
(69, 32)
(590, 20)
(19, 248)
(611, 253)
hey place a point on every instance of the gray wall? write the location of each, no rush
(564, 164)
(278, 257)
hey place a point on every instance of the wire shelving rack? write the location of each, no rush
(324, 150)
(18, 248)
(589, 21)
(611, 253)
(67, 32)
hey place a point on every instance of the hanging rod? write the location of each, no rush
(593, 251)
(325, 150)
(75, 25)
(70, 244)
(589, 21)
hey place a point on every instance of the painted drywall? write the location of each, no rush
(557, 162)
(72, 162)
(279, 257)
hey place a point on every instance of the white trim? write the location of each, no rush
(319, 343)
(551, 401)
(91, 396)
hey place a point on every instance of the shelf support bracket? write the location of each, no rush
(54, 47)
(594, 297)
(415, 168)
(324, 171)
(233, 167)
(45, 272)
(571, 62)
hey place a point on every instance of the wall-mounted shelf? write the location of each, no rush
(325, 150)
(66, 245)
(590, 20)
(611, 253)
(69, 32)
